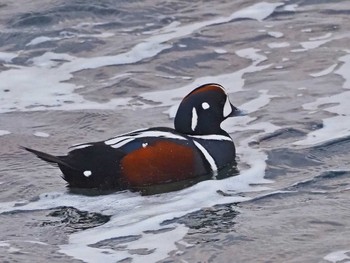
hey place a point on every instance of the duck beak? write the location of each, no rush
(236, 112)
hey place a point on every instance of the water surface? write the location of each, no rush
(77, 71)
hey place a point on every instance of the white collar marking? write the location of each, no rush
(207, 156)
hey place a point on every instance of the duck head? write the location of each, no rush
(203, 110)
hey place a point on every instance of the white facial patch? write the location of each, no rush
(194, 119)
(87, 173)
(144, 145)
(205, 105)
(227, 108)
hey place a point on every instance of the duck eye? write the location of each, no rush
(205, 105)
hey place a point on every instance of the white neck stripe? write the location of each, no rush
(207, 156)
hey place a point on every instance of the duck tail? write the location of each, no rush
(87, 168)
(47, 157)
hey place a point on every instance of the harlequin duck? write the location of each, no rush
(197, 146)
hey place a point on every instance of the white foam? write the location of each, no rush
(7, 57)
(278, 44)
(324, 72)
(132, 215)
(313, 44)
(42, 39)
(254, 157)
(258, 11)
(4, 132)
(66, 35)
(173, 77)
(41, 134)
(319, 41)
(325, 36)
(4, 244)
(171, 97)
(31, 91)
(291, 8)
(337, 126)
(220, 51)
(118, 76)
(344, 70)
(306, 30)
(10, 249)
(258, 103)
(275, 34)
(338, 256)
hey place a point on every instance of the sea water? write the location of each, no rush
(81, 71)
